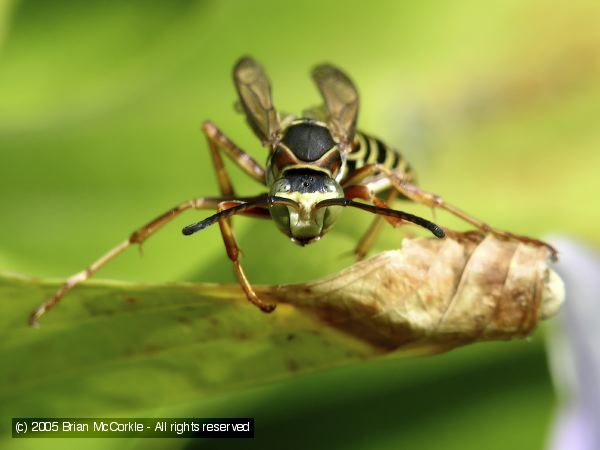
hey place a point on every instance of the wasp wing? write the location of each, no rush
(341, 101)
(254, 91)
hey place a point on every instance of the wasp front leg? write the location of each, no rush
(416, 194)
(368, 239)
(233, 252)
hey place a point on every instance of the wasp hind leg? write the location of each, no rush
(217, 140)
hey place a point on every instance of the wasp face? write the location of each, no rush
(306, 187)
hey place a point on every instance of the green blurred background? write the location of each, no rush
(496, 104)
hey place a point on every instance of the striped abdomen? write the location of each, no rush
(370, 150)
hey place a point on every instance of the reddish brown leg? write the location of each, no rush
(368, 239)
(233, 252)
(137, 237)
(217, 140)
(435, 201)
(364, 193)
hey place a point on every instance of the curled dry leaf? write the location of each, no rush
(434, 295)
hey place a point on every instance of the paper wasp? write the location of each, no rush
(317, 164)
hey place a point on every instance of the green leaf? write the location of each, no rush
(132, 346)
(99, 110)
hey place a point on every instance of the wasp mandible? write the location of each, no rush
(317, 164)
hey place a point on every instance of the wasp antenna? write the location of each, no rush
(436, 230)
(265, 201)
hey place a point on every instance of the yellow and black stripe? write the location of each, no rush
(370, 150)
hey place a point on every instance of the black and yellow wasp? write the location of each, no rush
(317, 164)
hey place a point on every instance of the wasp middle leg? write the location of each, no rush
(416, 194)
(137, 237)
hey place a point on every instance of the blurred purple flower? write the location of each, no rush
(574, 349)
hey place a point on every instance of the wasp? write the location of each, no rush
(317, 164)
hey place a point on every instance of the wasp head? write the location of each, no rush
(307, 187)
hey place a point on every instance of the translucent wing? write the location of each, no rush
(254, 90)
(341, 101)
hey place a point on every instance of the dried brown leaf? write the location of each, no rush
(433, 295)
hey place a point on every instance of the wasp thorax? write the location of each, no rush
(308, 141)
(306, 187)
